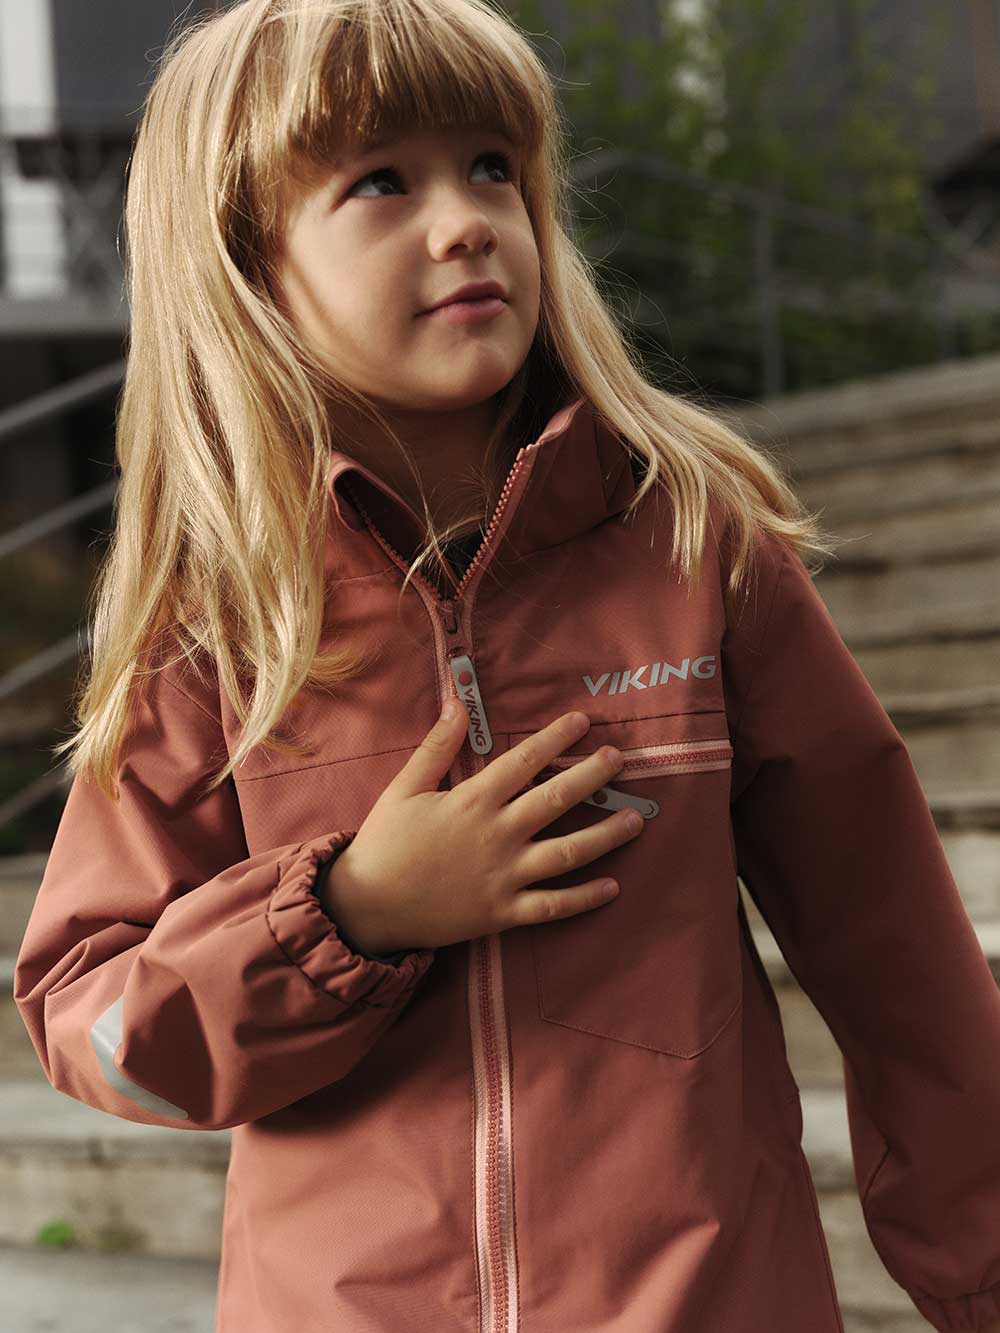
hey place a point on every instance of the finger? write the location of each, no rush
(553, 795)
(531, 906)
(548, 857)
(435, 754)
(511, 772)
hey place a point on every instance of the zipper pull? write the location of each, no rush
(463, 673)
(610, 798)
(607, 798)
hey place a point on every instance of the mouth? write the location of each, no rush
(469, 293)
(468, 310)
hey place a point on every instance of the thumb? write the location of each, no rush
(435, 754)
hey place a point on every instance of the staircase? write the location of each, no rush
(908, 466)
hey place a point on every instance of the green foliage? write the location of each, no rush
(59, 1234)
(777, 99)
(112, 1238)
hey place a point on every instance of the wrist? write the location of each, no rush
(343, 901)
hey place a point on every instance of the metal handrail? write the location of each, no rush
(42, 407)
(755, 198)
(946, 252)
(58, 517)
(33, 793)
(54, 402)
(42, 662)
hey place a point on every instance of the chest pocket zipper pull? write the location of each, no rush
(607, 798)
(463, 673)
(610, 798)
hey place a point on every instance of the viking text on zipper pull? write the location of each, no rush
(463, 673)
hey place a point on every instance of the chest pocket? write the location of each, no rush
(660, 965)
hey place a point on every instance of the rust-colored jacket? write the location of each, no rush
(584, 1126)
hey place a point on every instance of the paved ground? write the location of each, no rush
(47, 1290)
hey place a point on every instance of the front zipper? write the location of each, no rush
(496, 1256)
(496, 1253)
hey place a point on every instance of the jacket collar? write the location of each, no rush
(578, 474)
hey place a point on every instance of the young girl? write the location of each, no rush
(406, 615)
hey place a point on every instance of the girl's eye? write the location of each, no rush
(386, 172)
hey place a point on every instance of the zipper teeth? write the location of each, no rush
(707, 752)
(390, 549)
(498, 1272)
(497, 513)
(710, 752)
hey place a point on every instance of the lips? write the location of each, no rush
(471, 291)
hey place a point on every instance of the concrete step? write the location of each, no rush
(871, 484)
(812, 1051)
(47, 1288)
(902, 414)
(137, 1197)
(118, 1184)
(919, 601)
(968, 824)
(869, 1298)
(20, 877)
(954, 746)
(913, 665)
(18, 1057)
(932, 532)
(831, 448)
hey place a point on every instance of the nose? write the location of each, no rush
(461, 224)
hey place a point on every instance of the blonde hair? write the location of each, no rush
(223, 431)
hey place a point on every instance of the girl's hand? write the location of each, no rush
(430, 867)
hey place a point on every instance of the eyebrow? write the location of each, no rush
(386, 141)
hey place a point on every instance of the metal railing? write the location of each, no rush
(957, 274)
(47, 406)
(945, 254)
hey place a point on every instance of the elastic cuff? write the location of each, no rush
(960, 1314)
(310, 939)
(322, 870)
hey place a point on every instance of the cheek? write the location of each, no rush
(354, 307)
(527, 281)
(377, 290)
(527, 262)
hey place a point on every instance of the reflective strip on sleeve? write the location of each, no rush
(105, 1037)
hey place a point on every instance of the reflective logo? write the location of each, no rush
(660, 673)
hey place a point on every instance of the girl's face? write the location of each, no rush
(391, 232)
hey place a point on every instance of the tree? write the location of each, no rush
(764, 96)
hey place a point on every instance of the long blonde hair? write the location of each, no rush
(224, 432)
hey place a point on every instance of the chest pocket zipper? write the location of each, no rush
(649, 761)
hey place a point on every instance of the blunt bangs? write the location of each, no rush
(335, 77)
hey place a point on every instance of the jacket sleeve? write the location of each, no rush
(836, 844)
(166, 976)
